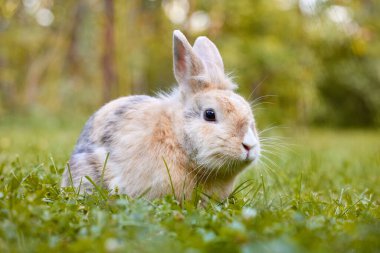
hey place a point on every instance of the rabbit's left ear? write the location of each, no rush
(208, 52)
(187, 64)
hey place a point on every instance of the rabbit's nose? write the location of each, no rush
(247, 147)
(249, 140)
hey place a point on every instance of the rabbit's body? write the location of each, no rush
(142, 133)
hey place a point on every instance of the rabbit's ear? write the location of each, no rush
(186, 63)
(208, 52)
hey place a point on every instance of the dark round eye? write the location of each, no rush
(209, 115)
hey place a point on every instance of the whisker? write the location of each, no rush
(271, 162)
(261, 98)
(258, 86)
(264, 151)
(270, 128)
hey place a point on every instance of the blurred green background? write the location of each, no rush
(312, 67)
(315, 62)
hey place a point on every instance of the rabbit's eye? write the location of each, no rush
(209, 115)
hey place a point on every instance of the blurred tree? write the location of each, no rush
(108, 59)
(72, 63)
(348, 50)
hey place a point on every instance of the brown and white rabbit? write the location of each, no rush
(203, 130)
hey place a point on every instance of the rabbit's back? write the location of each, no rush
(105, 131)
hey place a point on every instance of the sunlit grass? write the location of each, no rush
(318, 191)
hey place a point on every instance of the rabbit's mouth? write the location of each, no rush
(221, 166)
(226, 163)
(252, 155)
(233, 163)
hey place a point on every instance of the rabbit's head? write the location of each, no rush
(219, 127)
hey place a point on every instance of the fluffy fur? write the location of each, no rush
(140, 132)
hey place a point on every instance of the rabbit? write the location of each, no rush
(201, 134)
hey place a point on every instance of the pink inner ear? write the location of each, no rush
(180, 56)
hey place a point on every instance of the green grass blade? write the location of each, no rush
(103, 169)
(170, 177)
(96, 187)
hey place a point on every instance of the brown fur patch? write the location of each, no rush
(241, 126)
(198, 85)
(163, 133)
(226, 104)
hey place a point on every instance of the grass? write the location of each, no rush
(322, 195)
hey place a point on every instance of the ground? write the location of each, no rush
(318, 192)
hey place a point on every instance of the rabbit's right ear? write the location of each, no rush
(208, 52)
(186, 63)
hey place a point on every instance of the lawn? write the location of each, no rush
(318, 191)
